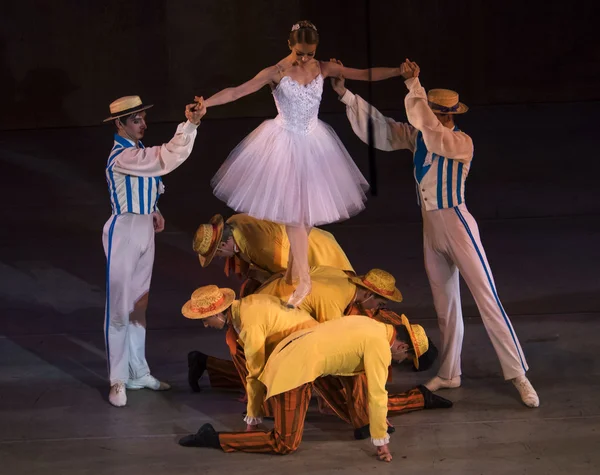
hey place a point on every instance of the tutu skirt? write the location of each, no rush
(280, 175)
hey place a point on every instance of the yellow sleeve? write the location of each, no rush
(377, 359)
(254, 348)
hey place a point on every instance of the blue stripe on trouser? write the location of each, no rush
(489, 278)
(107, 322)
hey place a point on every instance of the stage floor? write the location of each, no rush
(53, 410)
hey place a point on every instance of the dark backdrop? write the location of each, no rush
(62, 62)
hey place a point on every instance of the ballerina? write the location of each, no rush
(294, 169)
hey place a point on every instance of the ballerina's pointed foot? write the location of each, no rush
(299, 294)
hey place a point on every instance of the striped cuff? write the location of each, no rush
(380, 442)
(253, 420)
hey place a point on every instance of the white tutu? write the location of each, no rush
(293, 169)
(279, 175)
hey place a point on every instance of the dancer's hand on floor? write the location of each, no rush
(383, 453)
(158, 221)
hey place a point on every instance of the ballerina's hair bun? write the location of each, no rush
(304, 32)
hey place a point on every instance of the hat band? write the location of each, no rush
(209, 308)
(437, 107)
(129, 111)
(377, 289)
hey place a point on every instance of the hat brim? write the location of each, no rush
(413, 339)
(219, 222)
(187, 311)
(129, 112)
(395, 297)
(427, 359)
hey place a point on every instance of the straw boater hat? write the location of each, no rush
(419, 339)
(125, 106)
(207, 239)
(207, 301)
(380, 282)
(445, 101)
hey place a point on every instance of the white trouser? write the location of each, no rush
(451, 245)
(129, 247)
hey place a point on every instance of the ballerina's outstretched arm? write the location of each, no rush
(329, 69)
(266, 76)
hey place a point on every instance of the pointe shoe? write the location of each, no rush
(117, 396)
(302, 290)
(196, 368)
(528, 394)
(288, 277)
(147, 382)
(437, 383)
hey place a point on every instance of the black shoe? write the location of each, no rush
(196, 368)
(206, 436)
(433, 401)
(364, 432)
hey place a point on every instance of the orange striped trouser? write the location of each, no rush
(228, 374)
(223, 374)
(289, 410)
(231, 374)
(348, 398)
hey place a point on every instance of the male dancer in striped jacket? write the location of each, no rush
(134, 173)
(442, 156)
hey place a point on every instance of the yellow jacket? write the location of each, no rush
(266, 244)
(330, 295)
(262, 322)
(341, 347)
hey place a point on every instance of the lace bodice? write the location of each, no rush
(297, 104)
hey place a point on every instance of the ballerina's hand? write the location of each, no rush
(194, 112)
(409, 69)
